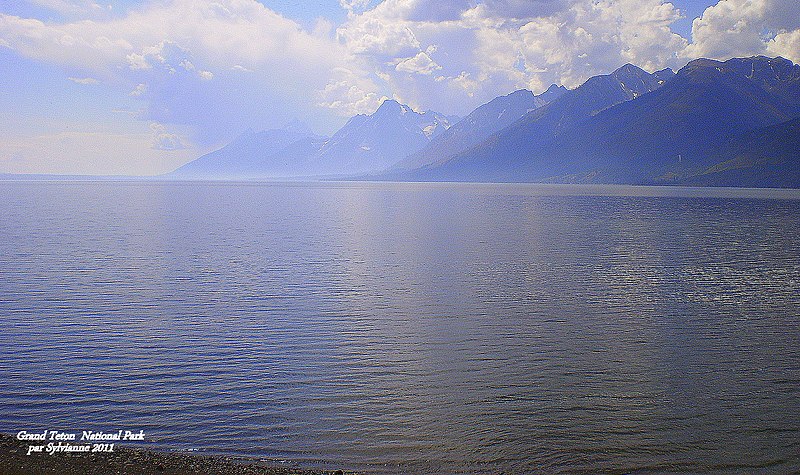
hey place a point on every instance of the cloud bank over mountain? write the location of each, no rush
(214, 69)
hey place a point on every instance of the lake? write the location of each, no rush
(409, 328)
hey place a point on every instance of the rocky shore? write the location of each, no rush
(126, 460)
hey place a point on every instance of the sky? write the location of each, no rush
(107, 87)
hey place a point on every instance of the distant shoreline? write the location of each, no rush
(534, 188)
(139, 461)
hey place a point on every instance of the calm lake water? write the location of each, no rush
(409, 328)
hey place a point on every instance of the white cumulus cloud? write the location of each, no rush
(746, 27)
(163, 140)
(483, 49)
(421, 63)
(85, 81)
(349, 94)
(191, 55)
(786, 44)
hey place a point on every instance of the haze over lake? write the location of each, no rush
(423, 328)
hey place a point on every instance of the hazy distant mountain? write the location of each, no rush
(374, 142)
(365, 144)
(480, 124)
(270, 153)
(503, 153)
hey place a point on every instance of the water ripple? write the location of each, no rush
(425, 328)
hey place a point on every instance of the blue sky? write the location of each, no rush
(141, 87)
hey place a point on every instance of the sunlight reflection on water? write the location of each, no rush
(409, 327)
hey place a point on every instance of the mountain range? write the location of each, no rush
(366, 143)
(731, 123)
(481, 123)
